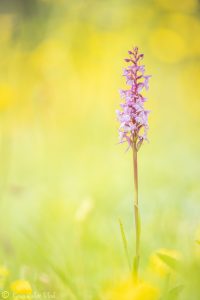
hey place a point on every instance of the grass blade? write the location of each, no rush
(125, 244)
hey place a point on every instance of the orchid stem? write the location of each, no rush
(136, 214)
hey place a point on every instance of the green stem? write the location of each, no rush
(136, 214)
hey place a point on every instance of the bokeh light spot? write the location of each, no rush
(184, 25)
(178, 5)
(6, 95)
(167, 45)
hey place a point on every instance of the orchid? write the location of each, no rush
(133, 117)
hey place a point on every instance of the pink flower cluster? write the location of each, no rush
(133, 117)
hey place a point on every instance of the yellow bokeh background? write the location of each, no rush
(64, 180)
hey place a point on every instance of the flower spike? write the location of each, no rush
(133, 117)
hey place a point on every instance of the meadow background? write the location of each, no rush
(64, 181)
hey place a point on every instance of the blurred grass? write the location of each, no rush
(64, 181)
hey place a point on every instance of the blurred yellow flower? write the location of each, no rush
(158, 266)
(127, 290)
(21, 287)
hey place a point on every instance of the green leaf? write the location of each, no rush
(66, 280)
(175, 292)
(169, 261)
(135, 266)
(125, 244)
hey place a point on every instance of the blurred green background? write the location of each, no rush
(64, 181)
